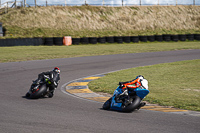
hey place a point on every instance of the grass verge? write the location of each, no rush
(170, 84)
(24, 53)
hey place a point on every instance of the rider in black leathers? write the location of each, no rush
(54, 79)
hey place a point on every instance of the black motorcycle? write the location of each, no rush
(39, 90)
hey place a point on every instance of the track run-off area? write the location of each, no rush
(66, 112)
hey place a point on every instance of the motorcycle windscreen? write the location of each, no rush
(141, 92)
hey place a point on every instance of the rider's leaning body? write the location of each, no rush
(131, 85)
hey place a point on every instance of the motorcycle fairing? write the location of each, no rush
(114, 105)
(141, 92)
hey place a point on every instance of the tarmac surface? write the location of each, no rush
(71, 113)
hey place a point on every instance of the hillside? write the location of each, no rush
(80, 21)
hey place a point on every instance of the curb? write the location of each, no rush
(79, 88)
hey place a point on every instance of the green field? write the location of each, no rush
(170, 84)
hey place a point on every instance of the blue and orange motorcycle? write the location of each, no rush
(127, 101)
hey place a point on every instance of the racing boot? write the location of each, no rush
(141, 105)
(50, 94)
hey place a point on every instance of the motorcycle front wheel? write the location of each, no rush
(41, 92)
(27, 94)
(107, 104)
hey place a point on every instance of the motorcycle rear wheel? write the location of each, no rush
(135, 103)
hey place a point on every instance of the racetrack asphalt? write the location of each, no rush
(64, 113)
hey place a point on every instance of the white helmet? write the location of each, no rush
(144, 83)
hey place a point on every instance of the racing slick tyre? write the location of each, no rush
(107, 104)
(134, 105)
